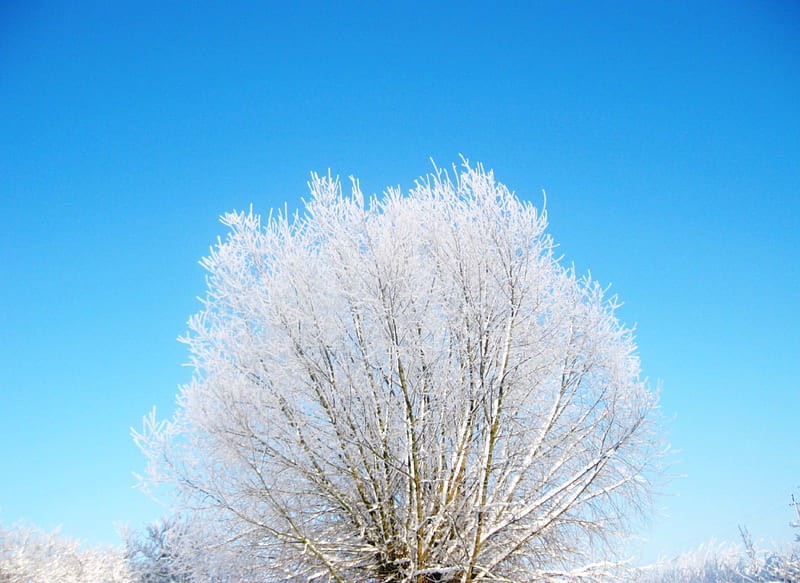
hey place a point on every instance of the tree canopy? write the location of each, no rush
(409, 388)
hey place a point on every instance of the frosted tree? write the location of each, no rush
(409, 388)
(30, 555)
(183, 549)
(163, 553)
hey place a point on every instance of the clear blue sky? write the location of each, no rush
(666, 134)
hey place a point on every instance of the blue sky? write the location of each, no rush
(666, 134)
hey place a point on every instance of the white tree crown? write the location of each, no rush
(410, 388)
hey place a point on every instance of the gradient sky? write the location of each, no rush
(666, 134)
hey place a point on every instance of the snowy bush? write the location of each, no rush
(726, 563)
(181, 549)
(30, 555)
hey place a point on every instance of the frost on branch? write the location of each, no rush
(409, 388)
